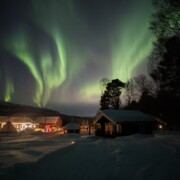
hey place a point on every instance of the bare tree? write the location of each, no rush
(103, 83)
(145, 85)
(130, 93)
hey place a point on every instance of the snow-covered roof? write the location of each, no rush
(71, 126)
(20, 119)
(4, 118)
(119, 116)
(15, 119)
(51, 119)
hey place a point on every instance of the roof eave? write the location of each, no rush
(103, 114)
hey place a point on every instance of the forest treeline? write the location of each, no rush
(157, 93)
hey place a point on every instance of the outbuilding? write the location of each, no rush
(72, 127)
(114, 123)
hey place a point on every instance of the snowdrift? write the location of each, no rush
(65, 157)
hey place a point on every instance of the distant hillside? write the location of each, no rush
(11, 109)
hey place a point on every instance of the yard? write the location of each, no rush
(71, 156)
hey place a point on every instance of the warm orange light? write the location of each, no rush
(160, 126)
(61, 132)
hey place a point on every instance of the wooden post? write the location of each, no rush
(45, 124)
(89, 124)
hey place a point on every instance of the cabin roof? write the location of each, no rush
(119, 116)
(50, 119)
(72, 125)
(4, 118)
(15, 119)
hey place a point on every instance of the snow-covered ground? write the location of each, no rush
(65, 157)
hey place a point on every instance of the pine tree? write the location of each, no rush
(166, 55)
(110, 99)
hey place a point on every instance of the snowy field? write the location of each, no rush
(65, 157)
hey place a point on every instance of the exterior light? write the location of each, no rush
(160, 126)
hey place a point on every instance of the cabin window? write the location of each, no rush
(119, 128)
(109, 128)
(24, 126)
(98, 126)
(18, 126)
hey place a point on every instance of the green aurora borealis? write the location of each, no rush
(62, 49)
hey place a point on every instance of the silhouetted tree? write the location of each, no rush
(130, 93)
(142, 83)
(169, 69)
(166, 27)
(165, 24)
(103, 84)
(110, 99)
(165, 60)
(165, 21)
(141, 93)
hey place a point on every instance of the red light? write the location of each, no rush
(48, 130)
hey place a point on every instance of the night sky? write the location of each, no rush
(53, 53)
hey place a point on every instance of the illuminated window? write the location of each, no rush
(24, 126)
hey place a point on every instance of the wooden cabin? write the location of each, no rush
(46, 124)
(20, 123)
(50, 123)
(114, 123)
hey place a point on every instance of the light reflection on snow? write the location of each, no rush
(72, 142)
